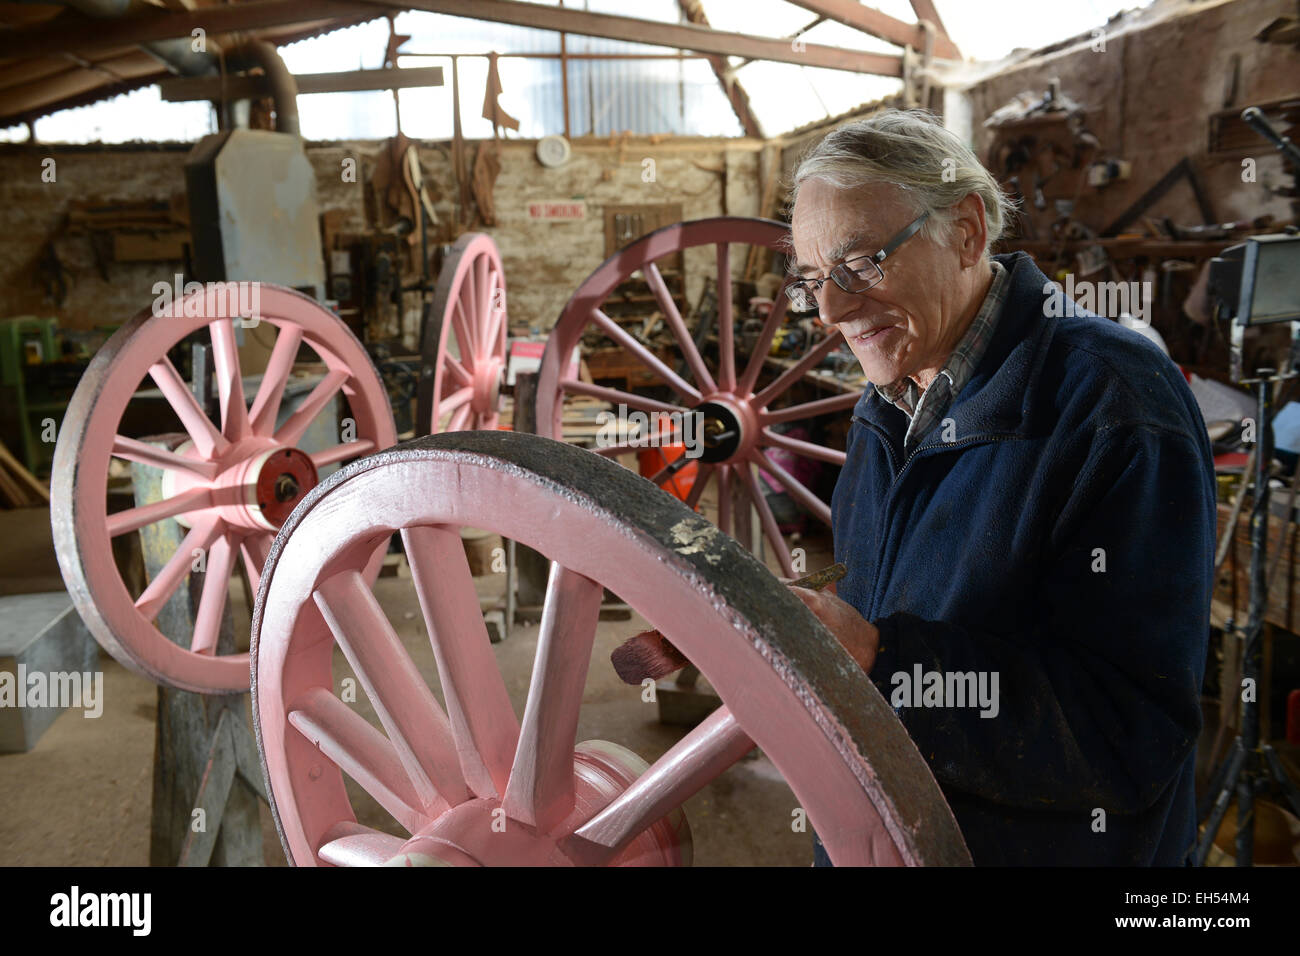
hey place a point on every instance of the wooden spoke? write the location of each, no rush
(279, 367)
(483, 722)
(208, 441)
(297, 424)
(695, 760)
(230, 382)
(212, 601)
(362, 752)
(416, 725)
(145, 454)
(804, 449)
(540, 792)
(694, 361)
(645, 356)
(133, 519)
(823, 406)
(726, 338)
(178, 566)
(797, 490)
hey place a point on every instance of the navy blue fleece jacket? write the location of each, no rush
(1059, 531)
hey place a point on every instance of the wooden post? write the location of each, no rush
(207, 777)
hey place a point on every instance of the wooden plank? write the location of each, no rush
(925, 10)
(188, 88)
(25, 479)
(881, 25)
(685, 36)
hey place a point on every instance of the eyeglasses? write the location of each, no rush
(854, 275)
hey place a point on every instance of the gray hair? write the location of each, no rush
(909, 149)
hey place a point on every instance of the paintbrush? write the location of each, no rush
(651, 655)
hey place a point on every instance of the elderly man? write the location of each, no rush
(1028, 506)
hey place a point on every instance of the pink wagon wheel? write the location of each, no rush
(464, 341)
(737, 415)
(231, 485)
(475, 784)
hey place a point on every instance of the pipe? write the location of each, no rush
(284, 88)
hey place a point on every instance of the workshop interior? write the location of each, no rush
(412, 452)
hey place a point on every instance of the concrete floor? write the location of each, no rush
(82, 796)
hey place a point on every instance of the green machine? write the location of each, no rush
(36, 383)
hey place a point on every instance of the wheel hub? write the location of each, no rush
(727, 428)
(259, 485)
(480, 833)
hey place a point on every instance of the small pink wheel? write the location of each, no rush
(473, 784)
(231, 486)
(727, 397)
(464, 342)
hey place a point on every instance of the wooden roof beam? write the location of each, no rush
(684, 36)
(884, 27)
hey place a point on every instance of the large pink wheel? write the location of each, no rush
(464, 341)
(475, 784)
(726, 396)
(231, 485)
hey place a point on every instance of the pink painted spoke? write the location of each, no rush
(212, 602)
(495, 318)
(230, 382)
(540, 791)
(416, 725)
(724, 498)
(297, 424)
(802, 448)
(823, 406)
(145, 454)
(743, 524)
(454, 401)
(458, 371)
(644, 355)
(701, 479)
(798, 491)
(767, 519)
(726, 339)
(266, 405)
(483, 721)
(460, 419)
(694, 361)
(351, 844)
(775, 319)
(208, 442)
(464, 331)
(360, 751)
(695, 760)
(351, 449)
(254, 549)
(795, 372)
(615, 397)
(482, 299)
(133, 519)
(169, 577)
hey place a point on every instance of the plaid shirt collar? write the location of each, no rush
(926, 408)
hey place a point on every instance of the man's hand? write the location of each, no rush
(858, 635)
